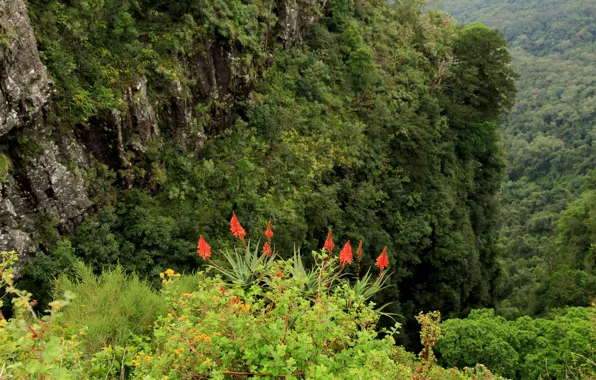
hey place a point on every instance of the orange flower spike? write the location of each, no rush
(236, 228)
(329, 242)
(269, 232)
(267, 249)
(203, 249)
(382, 261)
(359, 251)
(345, 255)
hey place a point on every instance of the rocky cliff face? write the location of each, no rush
(39, 182)
(50, 178)
(24, 84)
(24, 91)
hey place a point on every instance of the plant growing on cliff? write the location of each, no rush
(5, 165)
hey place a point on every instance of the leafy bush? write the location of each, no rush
(30, 346)
(108, 308)
(525, 348)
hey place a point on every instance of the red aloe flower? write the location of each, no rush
(267, 249)
(269, 232)
(345, 255)
(329, 242)
(382, 261)
(359, 255)
(203, 249)
(236, 228)
(359, 251)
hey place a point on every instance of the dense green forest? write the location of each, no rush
(548, 203)
(547, 228)
(380, 123)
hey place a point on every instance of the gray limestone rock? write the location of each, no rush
(142, 123)
(295, 16)
(24, 83)
(56, 189)
(15, 218)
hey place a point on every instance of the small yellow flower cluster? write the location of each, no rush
(202, 336)
(243, 308)
(187, 295)
(237, 305)
(197, 335)
(137, 360)
(170, 273)
(179, 351)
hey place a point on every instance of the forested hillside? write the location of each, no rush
(131, 130)
(293, 188)
(547, 230)
(169, 116)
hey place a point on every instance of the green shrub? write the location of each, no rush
(109, 308)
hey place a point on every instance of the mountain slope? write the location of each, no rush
(169, 116)
(549, 138)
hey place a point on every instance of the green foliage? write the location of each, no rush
(96, 49)
(245, 266)
(5, 165)
(108, 309)
(218, 330)
(553, 347)
(29, 345)
(483, 82)
(140, 236)
(275, 330)
(38, 273)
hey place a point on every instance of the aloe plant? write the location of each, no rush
(365, 287)
(244, 265)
